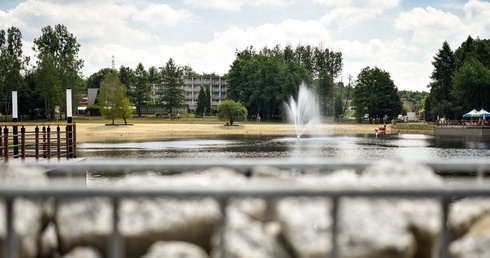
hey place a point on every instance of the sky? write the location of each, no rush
(400, 37)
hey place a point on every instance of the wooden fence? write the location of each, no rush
(38, 141)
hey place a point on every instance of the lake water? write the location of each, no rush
(346, 147)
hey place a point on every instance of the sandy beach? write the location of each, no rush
(95, 132)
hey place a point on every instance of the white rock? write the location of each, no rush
(306, 225)
(49, 242)
(244, 237)
(83, 252)
(174, 249)
(476, 243)
(84, 222)
(373, 228)
(144, 221)
(256, 208)
(463, 213)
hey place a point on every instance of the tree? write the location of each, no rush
(153, 76)
(207, 102)
(443, 63)
(325, 90)
(376, 94)
(113, 100)
(94, 80)
(472, 84)
(12, 64)
(441, 85)
(172, 79)
(127, 78)
(141, 93)
(48, 84)
(201, 101)
(63, 48)
(231, 110)
(262, 82)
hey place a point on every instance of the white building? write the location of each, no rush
(192, 86)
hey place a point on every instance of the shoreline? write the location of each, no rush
(99, 132)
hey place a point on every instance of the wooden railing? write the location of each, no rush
(38, 141)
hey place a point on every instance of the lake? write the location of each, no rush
(347, 147)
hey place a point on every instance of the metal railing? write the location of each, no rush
(37, 141)
(64, 189)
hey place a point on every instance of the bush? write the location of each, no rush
(93, 110)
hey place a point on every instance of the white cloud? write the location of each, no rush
(401, 60)
(218, 54)
(430, 24)
(476, 16)
(162, 14)
(349, 13)
(378, 4)
(235, 5)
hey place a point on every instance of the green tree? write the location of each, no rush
(153, 76)
(63, 48)
(201, 101)
(113, 100)
(172, 79)
(376, 94)
(48, 84)
(207, 102)
(338, 107)
(127, 78)
(141, 94)
(325, 90)
(231, 111)
(12, 64)
(472, 84)
(94, 80)
(262, 82)
(441, 85)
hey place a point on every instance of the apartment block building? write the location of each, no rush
(192, 86)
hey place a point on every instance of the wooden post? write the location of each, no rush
(44, 141)
(74, 133)
(1, 142)
(15, 139)
(49, 142)
(58, 141)
(36, 147)
(6, 143)
(67, 136)
(23, 143)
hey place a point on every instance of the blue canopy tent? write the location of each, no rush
(472, 113)
(483, 113)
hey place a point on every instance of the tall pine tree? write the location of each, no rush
(201, 102)
(172, 79)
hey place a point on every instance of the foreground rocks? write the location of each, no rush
(252, 227)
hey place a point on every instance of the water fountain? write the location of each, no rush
(303, 112)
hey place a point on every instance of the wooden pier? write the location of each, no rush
(37, 142)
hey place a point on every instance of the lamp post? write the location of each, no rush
(15, 119)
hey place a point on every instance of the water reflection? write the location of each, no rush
(352, 147)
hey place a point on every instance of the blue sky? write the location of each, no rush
(398, 36)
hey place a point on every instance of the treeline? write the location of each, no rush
(137, 86)
(460, 80)
(41, 89)
(263, 80)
